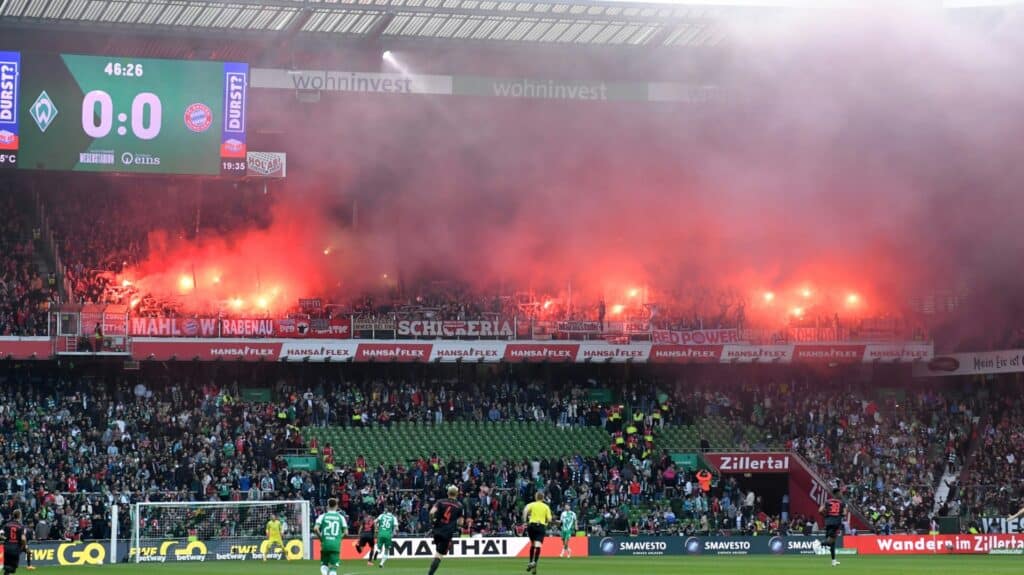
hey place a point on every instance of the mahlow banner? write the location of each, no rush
(211, 327)
(175, 327)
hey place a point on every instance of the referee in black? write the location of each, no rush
(537, 516)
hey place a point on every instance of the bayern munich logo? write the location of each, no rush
(198, 117)
(191, 327)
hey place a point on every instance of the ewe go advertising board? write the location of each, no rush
(138, 115)
(49, 553)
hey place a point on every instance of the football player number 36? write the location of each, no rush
(98, 115)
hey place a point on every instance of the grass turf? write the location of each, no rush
(795, 565)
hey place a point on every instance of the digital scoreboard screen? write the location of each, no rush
(137, 115)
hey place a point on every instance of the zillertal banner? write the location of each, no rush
(932, 544)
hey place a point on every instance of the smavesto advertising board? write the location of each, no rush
(681, 545)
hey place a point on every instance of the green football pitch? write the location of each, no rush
(874, 565)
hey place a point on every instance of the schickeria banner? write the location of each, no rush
(683, 545)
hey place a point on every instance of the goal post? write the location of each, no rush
(164, 532)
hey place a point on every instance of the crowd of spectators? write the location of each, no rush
(75, 446)
(888, 452)
(991, 482)
(25, 293)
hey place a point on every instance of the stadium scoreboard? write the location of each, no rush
(115, 114)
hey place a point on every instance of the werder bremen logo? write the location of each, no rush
(43, 111)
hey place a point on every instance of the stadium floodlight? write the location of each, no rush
(225, 530)
(392, 62)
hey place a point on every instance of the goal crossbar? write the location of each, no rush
(164, 532)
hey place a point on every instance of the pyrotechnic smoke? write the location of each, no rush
(871, 152)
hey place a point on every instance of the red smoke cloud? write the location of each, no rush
(856, 153)
(253, 271)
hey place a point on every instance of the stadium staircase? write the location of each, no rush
(717, 430)
(946, 482)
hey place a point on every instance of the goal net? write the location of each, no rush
(230, 530)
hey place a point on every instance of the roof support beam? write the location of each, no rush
(382, 24)
(279, 53)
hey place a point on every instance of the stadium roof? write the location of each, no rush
(561, 22)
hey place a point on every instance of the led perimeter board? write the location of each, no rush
(114, 114)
